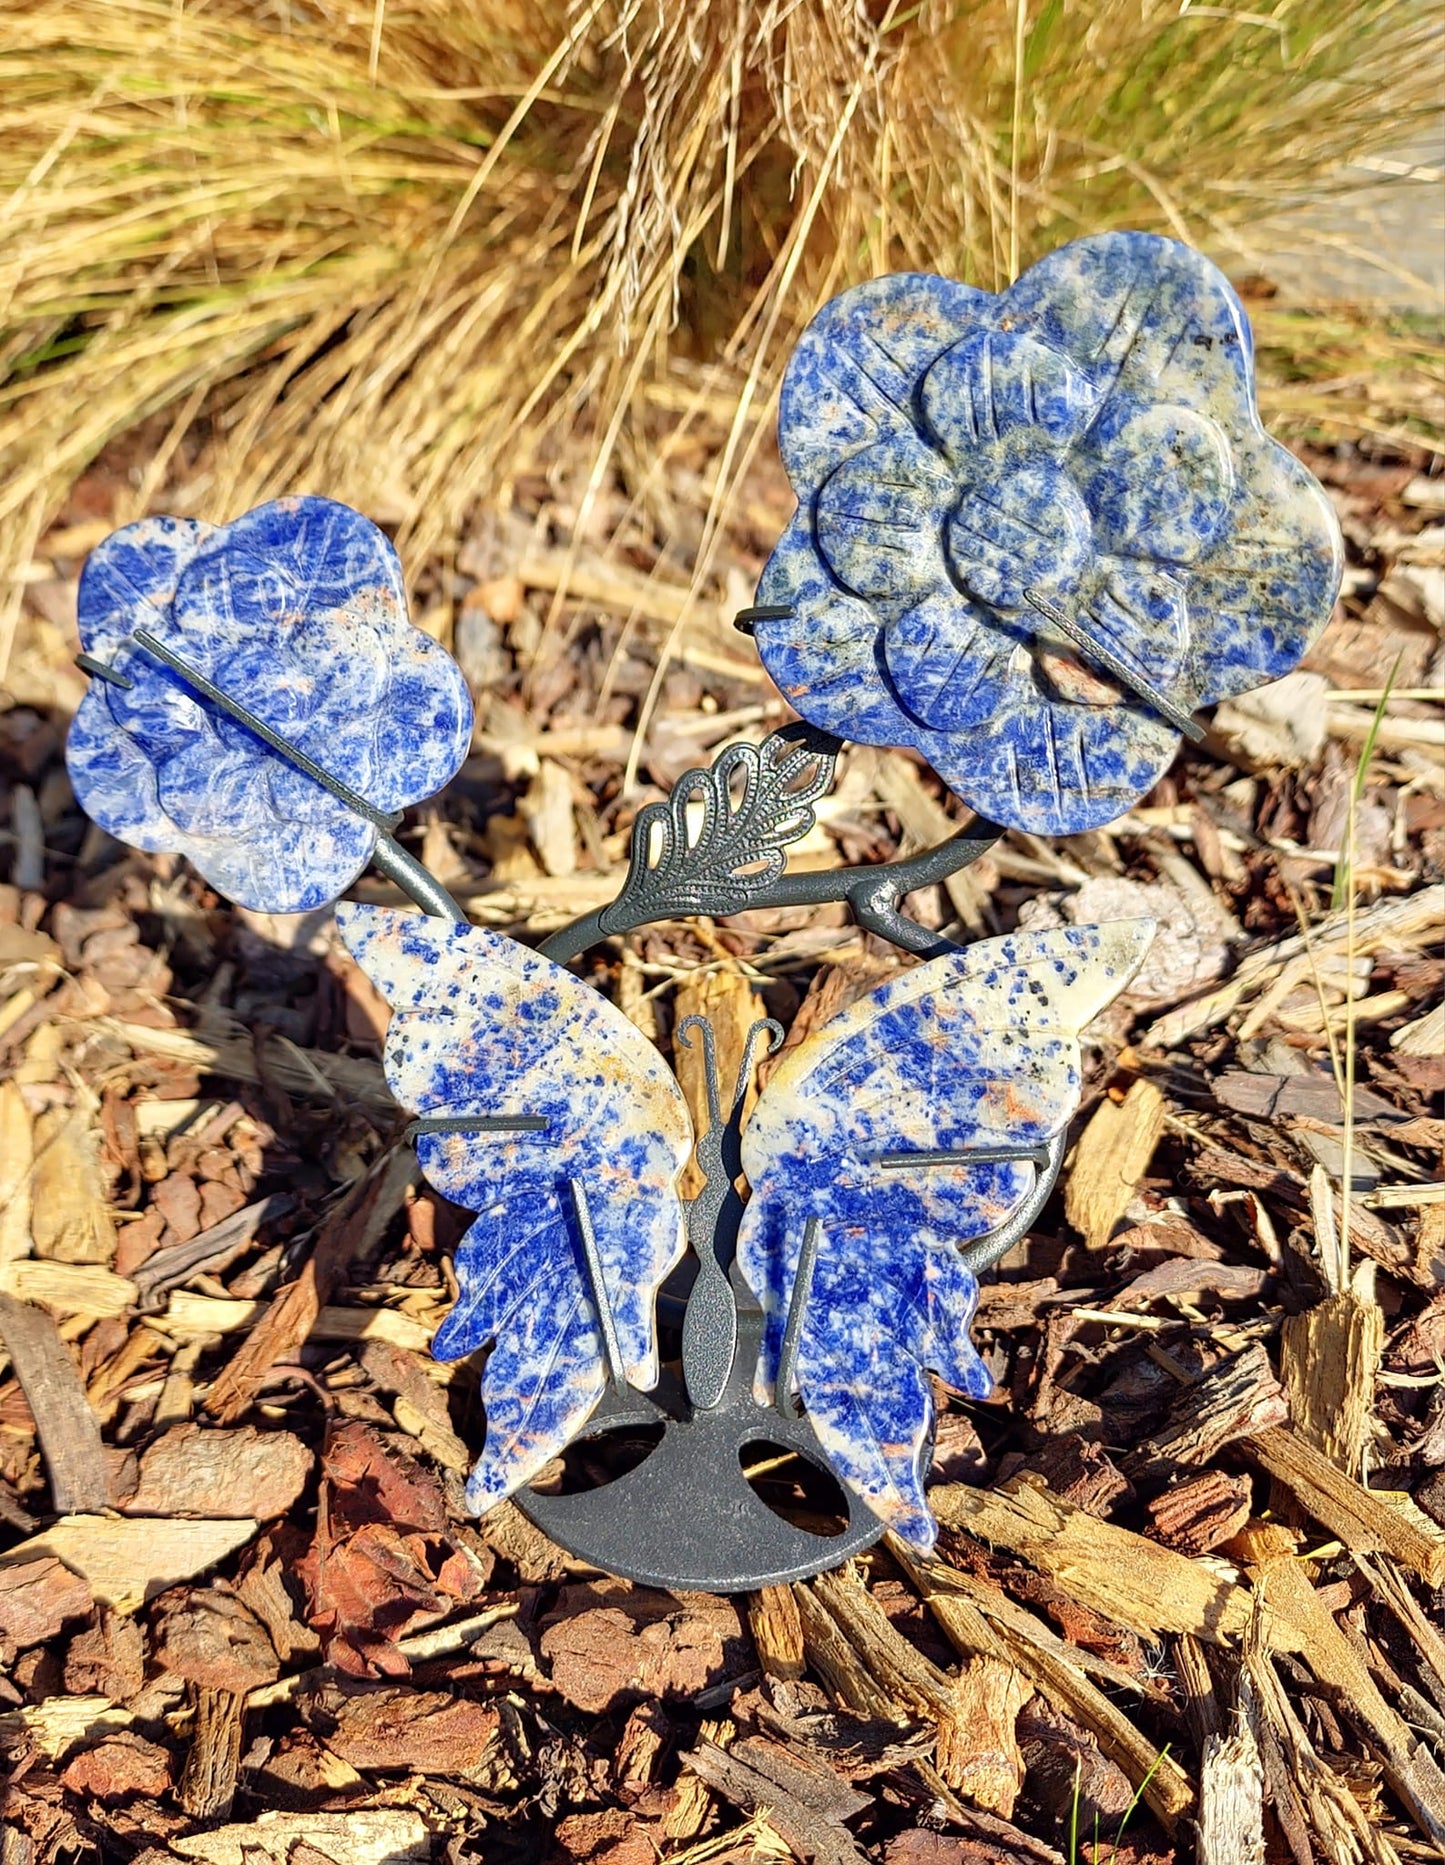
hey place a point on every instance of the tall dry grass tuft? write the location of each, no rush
(386, 247)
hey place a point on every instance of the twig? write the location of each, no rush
(69, 1434)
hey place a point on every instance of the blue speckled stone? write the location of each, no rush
(976, 1049)
(483, 1026)
(298, 611)
(1090, 434)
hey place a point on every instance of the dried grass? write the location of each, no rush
(388, 250)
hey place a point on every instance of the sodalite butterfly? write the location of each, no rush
(975, 1050)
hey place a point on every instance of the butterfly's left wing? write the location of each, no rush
(483, 1027)
(977, 1050)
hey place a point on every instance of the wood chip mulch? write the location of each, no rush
(1186, 1603)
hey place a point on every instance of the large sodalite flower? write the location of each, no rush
(298, 612)
(1085, 445)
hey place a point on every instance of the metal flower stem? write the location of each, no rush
(417, 882)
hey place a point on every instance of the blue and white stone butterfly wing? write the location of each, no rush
(979, 1049)
(483, 1026)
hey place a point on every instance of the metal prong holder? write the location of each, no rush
(1036, 533)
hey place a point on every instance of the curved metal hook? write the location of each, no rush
(683, 1034)
(995, 1244)
(776, 1035)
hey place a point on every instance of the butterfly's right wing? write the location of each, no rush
(484, 1027)
(876, 1131)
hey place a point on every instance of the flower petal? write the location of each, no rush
(852, 378)
(1028, 529)
(1002, 382)
(130, 578)
(276, 685)
(295, 797)
(113, 778)
(207, 791)
(285, 562)
(1159, 483)
(1143, 317)
(287, 867)
(948, 660)
(1140, 613)
(155, 710)
(424, 730)
(823, 656)
(1266, 590)
(879, 519)
(1068, 676)
(1052, 768)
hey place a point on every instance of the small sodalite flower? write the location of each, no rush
(298, 612)
(1037, 530)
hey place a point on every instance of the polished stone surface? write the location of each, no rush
(483, 1026)
(298, 611)
(977, 1049)
(1090, 436)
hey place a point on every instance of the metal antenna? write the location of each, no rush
(766, 1028)
(709, 1063)
(770, 1028)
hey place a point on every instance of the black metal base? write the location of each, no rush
(686, 1516)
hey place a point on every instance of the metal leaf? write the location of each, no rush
(754, 801)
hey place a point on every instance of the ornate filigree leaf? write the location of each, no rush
(717, 842)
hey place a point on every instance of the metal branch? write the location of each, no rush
(873, 894)
(415, 881)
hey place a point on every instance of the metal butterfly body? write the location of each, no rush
(872, 1154)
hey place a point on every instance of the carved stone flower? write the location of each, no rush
(298, 612)
(1037, 530)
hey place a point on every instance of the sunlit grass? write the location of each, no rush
(392, 267)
